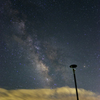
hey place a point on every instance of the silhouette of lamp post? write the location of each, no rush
(73, 67)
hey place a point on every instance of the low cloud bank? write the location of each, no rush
(64, 93)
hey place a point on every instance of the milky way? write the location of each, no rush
(45, 58)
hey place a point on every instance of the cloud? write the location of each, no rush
(47, 94)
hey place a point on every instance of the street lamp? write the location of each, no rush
(74, 66)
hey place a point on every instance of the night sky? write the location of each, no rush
(40, 39)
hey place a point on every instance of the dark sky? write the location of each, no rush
(40, 39)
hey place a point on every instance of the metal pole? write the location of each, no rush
(75, 84)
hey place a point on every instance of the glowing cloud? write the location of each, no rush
(47, 94)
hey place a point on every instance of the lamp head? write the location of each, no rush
(73, 66)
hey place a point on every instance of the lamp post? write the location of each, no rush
(74, 66)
